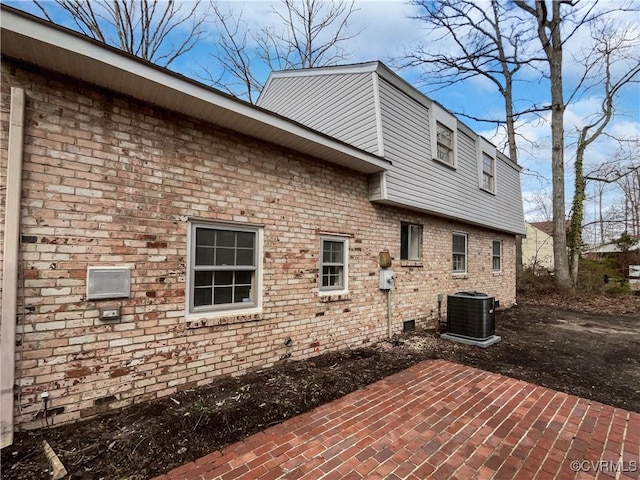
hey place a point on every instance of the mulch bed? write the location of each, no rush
(589, 347)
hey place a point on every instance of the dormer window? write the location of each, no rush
(488, 172)
(443, 131)
(486, 155)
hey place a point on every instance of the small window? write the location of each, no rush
(497, 256)
(223, 268)
(488, 172)
(333, 264)
(459, 253)
(486, 155)
(410, 241)
(444, 137)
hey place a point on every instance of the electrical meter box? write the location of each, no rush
(386, 279)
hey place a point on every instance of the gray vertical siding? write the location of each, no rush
(339, 105)
(416, 180)
(343, 105)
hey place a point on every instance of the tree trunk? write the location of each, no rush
(554, 54)
(513, 154)
(575, 229)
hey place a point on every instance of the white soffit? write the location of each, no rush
(41, 43)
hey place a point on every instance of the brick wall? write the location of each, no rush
(109, 181)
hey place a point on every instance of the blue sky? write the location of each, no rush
(386, 32)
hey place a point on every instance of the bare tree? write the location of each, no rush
(238, 74)
(542, 205)
(550, 36)
(157, 31)
(622, 173)
(314, 34)
(311, 33)
(492, 43)
(613, 62)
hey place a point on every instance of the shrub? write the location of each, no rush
(598, 276)
(535, 281)
(617, 288)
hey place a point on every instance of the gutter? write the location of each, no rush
(9, 295)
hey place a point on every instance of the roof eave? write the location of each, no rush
(45, 45)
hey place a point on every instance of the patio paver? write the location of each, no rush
(438, 420)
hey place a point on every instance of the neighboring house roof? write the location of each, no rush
(611, 248)
(43, 44)
(547, 227)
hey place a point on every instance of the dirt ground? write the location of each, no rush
(585, 347)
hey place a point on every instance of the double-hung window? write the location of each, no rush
(444, 138)
(487, 156)
(488, 172)
(333, 264)
(224, 267)
(459, 253)
(496, 256)
(410, 241)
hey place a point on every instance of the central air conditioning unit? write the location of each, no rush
(471, 319)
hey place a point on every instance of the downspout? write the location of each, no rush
(10, 265)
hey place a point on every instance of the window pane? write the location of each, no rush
(202, 296)
(242, 294)
(244, 256)
(225, 238)
(326, 252)
(459, 243)
(203, 279)
(332, 276)
(487, 182)
(458, 263)
(414, 242)
(223, 295)
(204, 256)
(205, 236)
(444, 154)
(487, 164)
(224, 256)
(444, 135)
(224, 278)
(337, 256)
(245, 239)
(243, 278)
(404, 242)
(496, 248)
(332, 252)
(496, 263)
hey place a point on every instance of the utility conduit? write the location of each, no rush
(11, 240)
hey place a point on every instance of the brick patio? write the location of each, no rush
(438, 420)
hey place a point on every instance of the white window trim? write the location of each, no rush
(501, 255)
(345, 274)
(483, 146)
(254, 309)
(438, 114)
(466, 253)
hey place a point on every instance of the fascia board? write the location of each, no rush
(48, 46)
